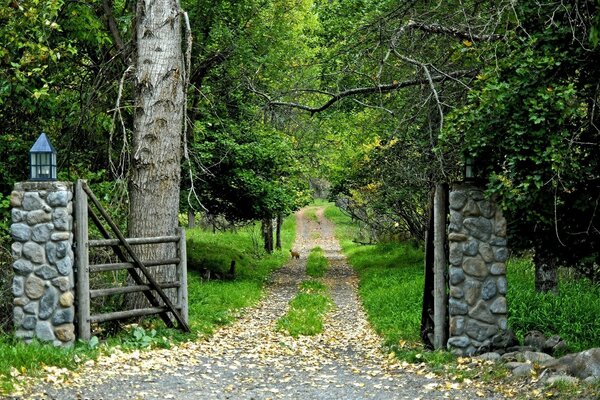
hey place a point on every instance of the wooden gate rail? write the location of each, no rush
(129, 262)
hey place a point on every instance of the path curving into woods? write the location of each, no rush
(249, 359)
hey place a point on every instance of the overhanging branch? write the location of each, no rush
(449, 31)
(366, 90)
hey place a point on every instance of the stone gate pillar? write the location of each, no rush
(42, 226)
(477, 273)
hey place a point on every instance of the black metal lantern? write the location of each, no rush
(42, 160)
(469, 172)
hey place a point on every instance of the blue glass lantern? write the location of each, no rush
(469, 173)
(42, 160)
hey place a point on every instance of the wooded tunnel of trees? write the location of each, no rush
(371, 101)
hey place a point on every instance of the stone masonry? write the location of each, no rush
(43, 284)
(478, 252)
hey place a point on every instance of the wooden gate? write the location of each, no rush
(137, 269)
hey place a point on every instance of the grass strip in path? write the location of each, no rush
(307, 310)
(317, 264)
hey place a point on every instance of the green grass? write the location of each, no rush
(572, 314)
(317, 264)
(311, 214)
(211, 304)
(307, 310)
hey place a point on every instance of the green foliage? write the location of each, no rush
(572, 313)
(307, 310)
(140, 338)
(316, 264)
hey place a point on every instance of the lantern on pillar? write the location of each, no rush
(42, 160)
(469, 174)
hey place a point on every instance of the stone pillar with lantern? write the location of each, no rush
(42, 232)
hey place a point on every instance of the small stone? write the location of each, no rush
(41, 233)
(18, 286)
(500, 224)
(16, 199)
(457, 200)
(480, 228)
(17, 250)
(456, 292)
(480, 331)
(476, 194)
(536, 357)
(502, 285)
(471, 209)
(457, 326)
(58, 199)
(475, 266)
(65, 333)
(32, 201)
(459, 341)
(523, 370)
(65, 266)
(34, 252)
(44, 331)
(34, 287)
(456, 219)
(63, 283)
(456, 275)
(481, 312)
(499, 306)
(48, 303)
(24, 334)
(490, 356)
(31, 308)
(66, 299)
(61, 219)
(63, 316)
(486, 252)
(56, 251)
(58, 236)
(472, 291)
(46, 271)
(500, 254)
(38, 217)
(471, 247)
(21, 301)
(503, 323)
(22, 267)
(29, 322)
(498, 269)
(17, 215)
(562, 379)
(498, 241)
(489, 289)
(457, 237)
(487, 208)
(18, 316)
(20, 232)
(455, 256)
(457, 307)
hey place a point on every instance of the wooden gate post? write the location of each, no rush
(439, 281)
(82, 262)
(182, 292)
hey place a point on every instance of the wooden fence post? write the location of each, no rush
(182, 292)
(82, 263)
(440, 303)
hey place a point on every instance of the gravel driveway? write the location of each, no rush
(250, 360)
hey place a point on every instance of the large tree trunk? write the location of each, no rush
(278, 232)
(427, 323)
(546, 271)
(156, 154)
(267, 233)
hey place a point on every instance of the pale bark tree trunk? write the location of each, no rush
(156, 154)
(440, 302)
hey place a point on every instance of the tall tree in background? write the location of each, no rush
(158, 122)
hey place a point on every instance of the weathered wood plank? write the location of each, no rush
(182, 291)
(82, 260)
(129, 289)
(128, 314)
(130, 265)
(440, 301)
(134, 241)
(182, 324)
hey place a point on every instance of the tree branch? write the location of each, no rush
(449, 31)
(366, 90)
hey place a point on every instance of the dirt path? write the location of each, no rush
(250, 360)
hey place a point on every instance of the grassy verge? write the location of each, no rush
(307, 310)
(572, 314)
(211, 304)
(317, 264)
